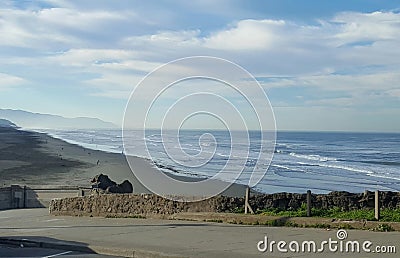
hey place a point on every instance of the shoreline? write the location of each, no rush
(35, 158)
(318, 162)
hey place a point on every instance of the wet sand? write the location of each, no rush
(31, 158)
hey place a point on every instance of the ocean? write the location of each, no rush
(318, 161)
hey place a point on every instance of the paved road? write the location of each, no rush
(140, 237)
(15, 251)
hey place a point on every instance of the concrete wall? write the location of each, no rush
(16, 196)
(5, 198)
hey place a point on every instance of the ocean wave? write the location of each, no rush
(385, 163)
(352, 169)
(157, 138)
(179, 172)
(280, 166)
(386, 177)
(312, 157)
(284, 145)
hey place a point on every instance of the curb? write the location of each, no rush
(89, 249)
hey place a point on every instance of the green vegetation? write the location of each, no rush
(238, 210)
(383, 228)
(302, 212)
(388, 215)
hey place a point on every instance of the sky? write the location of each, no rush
(324, 65)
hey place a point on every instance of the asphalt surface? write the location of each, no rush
(130, 237)
(15, 251)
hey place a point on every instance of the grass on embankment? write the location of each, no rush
(387, 215)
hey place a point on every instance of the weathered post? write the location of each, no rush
(81, 192)
(247, 206)
(308, 203)
(24, 196)
(377, 205)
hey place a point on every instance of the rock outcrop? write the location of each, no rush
(105, 184)
(124, 187)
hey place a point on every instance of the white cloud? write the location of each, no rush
(115, 71)
(377, 26)
(176, 38)
(394, 92)
(309, 55)
(79, 20)
(8, 81)
(285, 48)
(113, 85)
(55, 27)
(84, 57)
(352, 83)
(247, 35)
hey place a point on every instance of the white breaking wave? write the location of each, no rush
(387, 177)
(364, 171)
(280, 166)
(312, 157)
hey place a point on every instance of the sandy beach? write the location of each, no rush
(31, 158)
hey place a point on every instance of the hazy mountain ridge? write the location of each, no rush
(37, 120)
(7, 123)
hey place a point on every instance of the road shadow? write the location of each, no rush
(169, 225)
(45, 242)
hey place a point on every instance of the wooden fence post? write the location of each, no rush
(308, 203)
(247, 206)
(377, 205)
(25, 197)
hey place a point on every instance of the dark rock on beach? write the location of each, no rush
(124, 187)
(103, 182)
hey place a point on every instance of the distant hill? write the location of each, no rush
(6, 123)
(36, 120)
